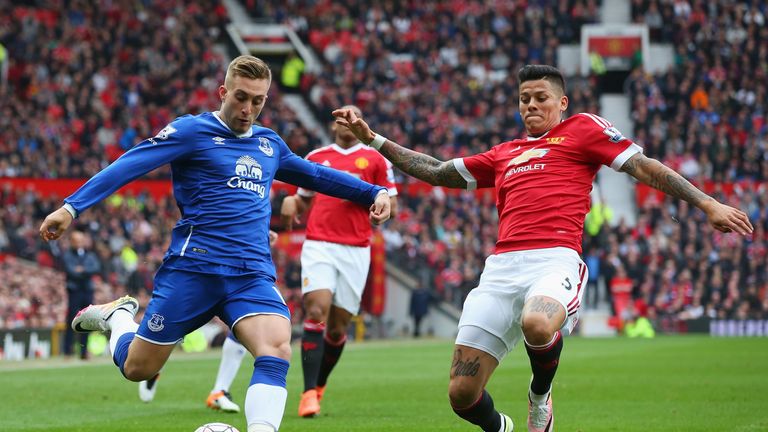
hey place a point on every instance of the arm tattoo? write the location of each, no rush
(466, 366)
(547, 307)
(659, 176)
(423, 167)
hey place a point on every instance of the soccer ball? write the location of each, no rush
(216, 427)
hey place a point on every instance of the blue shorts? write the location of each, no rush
(188, 293)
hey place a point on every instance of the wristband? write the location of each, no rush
(377, 142)
(68, 207)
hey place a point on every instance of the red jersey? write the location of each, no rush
(543, 184)
(340, 221)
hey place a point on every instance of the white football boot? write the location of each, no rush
(94, 317)
(148, 388)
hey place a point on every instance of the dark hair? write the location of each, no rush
(546, 72)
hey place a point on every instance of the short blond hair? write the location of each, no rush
(248, 66)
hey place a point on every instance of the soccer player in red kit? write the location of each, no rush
(531, 287)
(334, 258)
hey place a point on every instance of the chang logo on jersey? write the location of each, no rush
(156, 323)
(527, 155)
(266, 147)
(248, 173)
(614, 135)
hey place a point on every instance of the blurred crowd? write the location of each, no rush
(673, 266)
(707, 117)
(129, 235)
(437, 76)
(87, 80)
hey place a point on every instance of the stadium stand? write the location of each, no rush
(706, 117)
(115, 75)
(460, 50)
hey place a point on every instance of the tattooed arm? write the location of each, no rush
(413, 163)
(659, 176)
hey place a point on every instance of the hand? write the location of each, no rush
(289, 212)
(272, 238)
(55, 224)
(346, 117)
(380, 209)
(726, 218)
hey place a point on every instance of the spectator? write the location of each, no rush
(419, 307)
(290, 76)
(80, 266)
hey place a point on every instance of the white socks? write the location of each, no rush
(267, 404)
(232, 354)
(120, 323)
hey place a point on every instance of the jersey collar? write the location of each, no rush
(347, 151)
(534, 138)
(243, 135)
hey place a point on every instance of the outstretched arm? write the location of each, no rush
(292, 208)
(659, 176)
(413, 163)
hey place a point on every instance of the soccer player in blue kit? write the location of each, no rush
(218, 261)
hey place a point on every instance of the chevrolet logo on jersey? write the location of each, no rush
(528, 155)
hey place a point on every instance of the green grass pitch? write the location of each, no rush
(666, 384)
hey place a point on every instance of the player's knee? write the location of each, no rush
(462, 393)
(315, 312)
(138, 371)
(537, 329)
(284, 351)
(336, 334)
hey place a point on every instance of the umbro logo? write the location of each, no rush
(218, 140)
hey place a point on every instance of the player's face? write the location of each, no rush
(242, 100)
(541, 106)
(344, 136)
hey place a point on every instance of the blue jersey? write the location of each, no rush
(221, 183)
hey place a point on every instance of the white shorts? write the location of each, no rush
(342, 269)
(491, 318)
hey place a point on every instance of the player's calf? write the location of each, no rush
(482, 413)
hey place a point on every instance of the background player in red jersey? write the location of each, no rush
(532, 285)
(334, 258)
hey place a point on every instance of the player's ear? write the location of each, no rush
(563, 103)
(222, 93)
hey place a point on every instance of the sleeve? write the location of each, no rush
(386, 176)
(328, 181)
(602, 143)
(168, 145)
(478, 170)
(306, 193)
